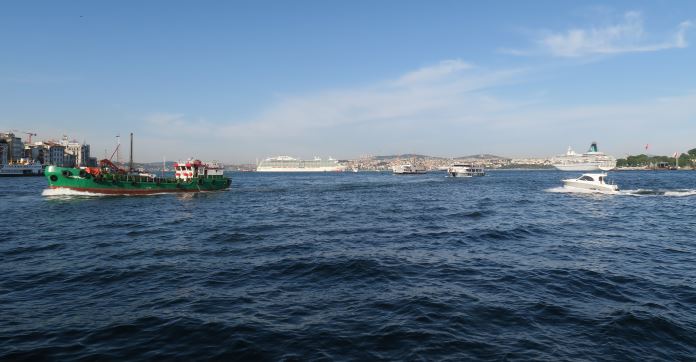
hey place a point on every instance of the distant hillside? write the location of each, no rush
(406, 156)
(484, 156)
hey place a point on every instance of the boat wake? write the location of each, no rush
(671, 193)
(574, 190)
(638, 192)
(67, 192)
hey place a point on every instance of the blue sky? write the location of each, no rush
(241, 80)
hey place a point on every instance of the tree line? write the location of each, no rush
(642, 160)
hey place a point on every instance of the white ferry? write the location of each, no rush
(21, 169)
(465, 170)
(408, 169)
(289, 164)
(592, 160)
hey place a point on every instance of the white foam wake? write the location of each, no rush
(669, 193)
(573, 190)
(638, 192)
(681, 193)
(68, 192)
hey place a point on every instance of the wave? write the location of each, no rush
(681, 193)
(649, 192)
(518, 233)
(344, 269)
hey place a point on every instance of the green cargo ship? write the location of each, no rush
(192, 176)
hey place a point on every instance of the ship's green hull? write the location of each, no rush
(118, 184)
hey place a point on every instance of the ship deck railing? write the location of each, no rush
(140, 179)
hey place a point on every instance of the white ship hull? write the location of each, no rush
(21, 170)
(300, 169)
(461, 170)
(586, 166)
(578, 167)
(591, 181)
(589, 186)
(410, 172)
(408, 169)
(466, 174)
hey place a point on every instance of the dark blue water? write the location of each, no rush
(353, 267)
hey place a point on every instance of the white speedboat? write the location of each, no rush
(465, 170)
(408, 169)
(591, 181)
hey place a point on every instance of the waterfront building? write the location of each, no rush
(56, 155)
(15, 146)
(79, 151)
(40, 152)
(69, 160)
(4, 150)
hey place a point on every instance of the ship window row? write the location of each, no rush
(298, 164)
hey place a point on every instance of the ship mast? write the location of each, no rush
(118, 152)
(130, 163)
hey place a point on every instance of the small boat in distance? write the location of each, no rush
(409, 169)
(591, 181)
(465, 170)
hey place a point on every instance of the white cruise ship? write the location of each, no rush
(592, 160)
(289, 164)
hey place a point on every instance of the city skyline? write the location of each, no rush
(248, 80)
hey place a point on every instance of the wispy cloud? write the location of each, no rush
(627, 36)
(446, 95)
(178, 124)
(445, 109)
(451, 89)
(434, 73)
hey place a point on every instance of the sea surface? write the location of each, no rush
(353, 266)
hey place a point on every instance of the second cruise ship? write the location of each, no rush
(592, 160)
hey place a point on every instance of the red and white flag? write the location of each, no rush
(674, 155)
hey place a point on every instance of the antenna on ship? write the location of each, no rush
(118, 146)
(130, 162)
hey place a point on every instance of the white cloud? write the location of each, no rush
(627, 36)
(433, 73)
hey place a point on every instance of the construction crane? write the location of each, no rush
(29, 134)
